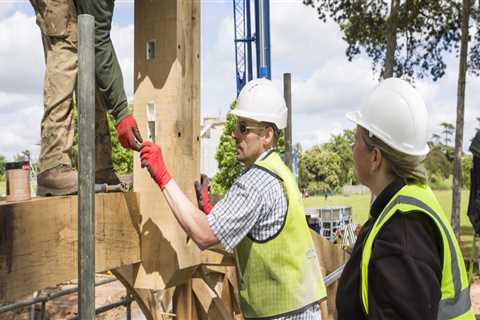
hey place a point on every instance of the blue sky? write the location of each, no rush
(325, 85)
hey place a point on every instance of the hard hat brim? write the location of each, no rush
(260, 117)
(356, 117)
(353, 116)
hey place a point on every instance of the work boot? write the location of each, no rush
(107, 176)
(61, 180)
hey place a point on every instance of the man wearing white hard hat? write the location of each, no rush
(261, 216)
(406, 263)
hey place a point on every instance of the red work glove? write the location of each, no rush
(203, 198)
(128, 134)
(152, 158)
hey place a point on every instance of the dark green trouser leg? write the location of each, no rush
(108, 74)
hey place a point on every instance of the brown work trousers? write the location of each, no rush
(57, 20)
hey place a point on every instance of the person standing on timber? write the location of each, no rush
(406, 262)
(261, 216)
(58, 24)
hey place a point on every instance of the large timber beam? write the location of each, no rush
(38, 240)
(167, 108)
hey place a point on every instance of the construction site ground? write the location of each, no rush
(66, 307)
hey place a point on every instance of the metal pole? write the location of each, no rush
(43, 311)
(129, 305)
(266, 30)
(249, 42)
(287, 93)
(86, 167)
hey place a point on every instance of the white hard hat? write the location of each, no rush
(259, 100)
(396, 114)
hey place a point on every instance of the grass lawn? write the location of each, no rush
(360, 204)
(360, 210)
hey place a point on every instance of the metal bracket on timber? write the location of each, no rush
(39, 242)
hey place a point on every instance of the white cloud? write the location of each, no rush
(122, 39)
(19, 123)
(218, 87)
(21, 52)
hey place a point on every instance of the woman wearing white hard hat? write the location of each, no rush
(406, 263)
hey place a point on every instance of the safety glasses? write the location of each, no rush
(243, 128)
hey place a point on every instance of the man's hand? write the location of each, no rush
(128, 134)
(203, 198)
(152, 158)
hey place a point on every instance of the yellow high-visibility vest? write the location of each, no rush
(455, 288)
(282, 274)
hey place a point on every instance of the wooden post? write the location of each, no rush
(167, 83)
(287, 92)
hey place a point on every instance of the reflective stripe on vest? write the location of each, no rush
(456, 307)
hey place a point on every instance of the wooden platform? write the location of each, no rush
(39, 240)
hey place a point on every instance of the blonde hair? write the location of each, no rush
(404, 166)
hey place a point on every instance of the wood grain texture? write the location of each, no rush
(39, 241)
(171, 82)
(331, 257)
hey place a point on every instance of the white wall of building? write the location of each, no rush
(210, 133)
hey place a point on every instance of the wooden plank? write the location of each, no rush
(227, 296)
(170, 81)
(203, 293)
(38, 240)
(217, 257)
(184, 305)
(149, 301)
(331, 257)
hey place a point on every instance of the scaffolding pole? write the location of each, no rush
(86, 166)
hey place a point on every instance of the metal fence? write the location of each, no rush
(44, 299)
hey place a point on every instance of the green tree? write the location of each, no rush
(228, 166)
(435, 139)
(448, 130)
(467, 163)
(122, 158)
(2, 167)
(438, 166)
(280, 147)
(320, 170)
(342, 146)
(403, 38)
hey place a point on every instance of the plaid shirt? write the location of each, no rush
(255, 205)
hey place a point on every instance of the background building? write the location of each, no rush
(210, 132)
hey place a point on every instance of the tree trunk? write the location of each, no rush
(391, 37)
(457, 167)
(287, 92)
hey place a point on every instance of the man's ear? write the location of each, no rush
(269, 135)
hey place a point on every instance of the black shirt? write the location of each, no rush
(405, 269)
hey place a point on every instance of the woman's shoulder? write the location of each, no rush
(413, 234)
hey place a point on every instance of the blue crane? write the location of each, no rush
(244, 39)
